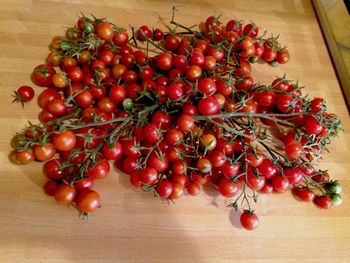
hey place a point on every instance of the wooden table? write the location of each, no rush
(135, 227)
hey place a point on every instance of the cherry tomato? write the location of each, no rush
(64, 194)
(323, 202)
(165, 61)
(216, 158)
(88, 200)
(312, 125)
(207, 86)
(193, 189)
(249, 220)
(52, 170)
(178, 190)
(149, 175)
(44, 152)
(100, 170)
(143, 33)
(256, 182)
(164, 189)
(50, 187)
(204, 165)
(294, 149)
(229, 169)
(151, 133)
(42, 75)
(121, 38)
(64, 141)
(24, 94)
(227, 188)
(105, 30)
(267, 168)
(294, 175)
(23, 156)
(112, 151)
(304, 194)
(83, 184)
(208, 106)
(280, 184)
(158, 161)
(173, 136)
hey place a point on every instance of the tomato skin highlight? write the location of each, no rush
(64, 141)
(249, 220)
(88, 201)
(64, 194)
(100, 170)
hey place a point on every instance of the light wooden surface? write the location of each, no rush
(133, 226)
(335, 22)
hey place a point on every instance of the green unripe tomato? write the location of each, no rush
(336, 199)
(88, 28)
(333, 187)
(128, 104)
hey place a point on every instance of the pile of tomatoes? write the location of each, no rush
(175, 111)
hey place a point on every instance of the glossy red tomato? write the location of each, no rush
(280, 184)
(21, 156)
(135, 178)
(157, 34)
(64, 141)
(229, 169)
(151, 133)
(57, 107)
(161, 119)
(52, 169)
(83, 184)
(173, 136)
(244, 83)
(227, 188)
(293, 149)
(149, 175)
(46, 96)
(193, 189)
(267, 168)
(312, 125)
(249, 220)
(42, 75)
(50, 187)
(294, 175)
(88, 200)
(282, 57)
(44, 152)
(24, 94)
(216, 158)
(65, 194)
(193, 72)
(256, 182)
(204, 165)
(207, 86)
(208, 106)
(323, 202)
(121, 38)
(158, 161)
(100, 170)
(105, 30)
(164, 189)
(165, 61)
(304, 194)
(143, 33)
(171, 42)
(112, 151)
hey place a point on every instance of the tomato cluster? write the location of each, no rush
(175, 111)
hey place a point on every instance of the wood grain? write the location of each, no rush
(335, 22)
(132, 226)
